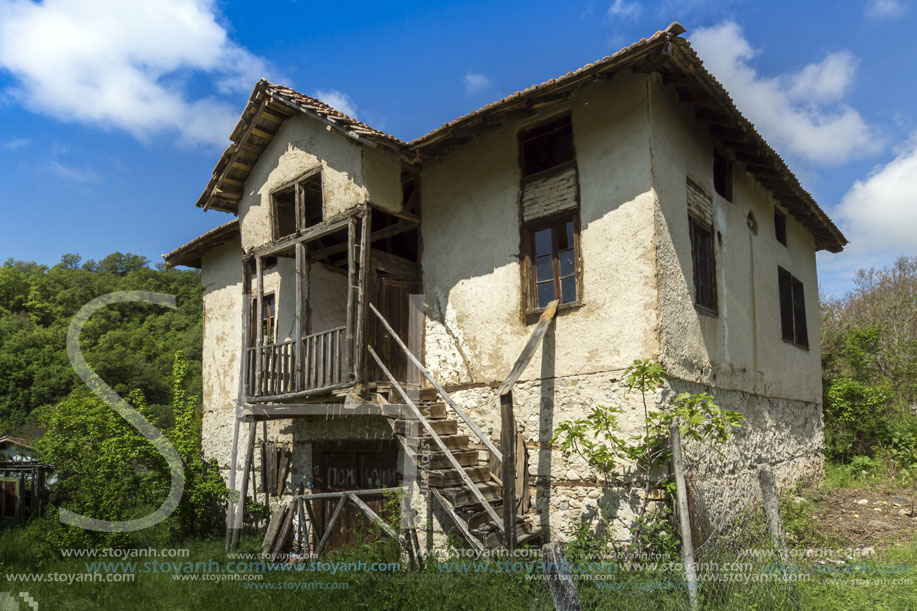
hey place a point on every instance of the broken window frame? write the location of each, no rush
(703, 266)
(303, 215)
(722, 175)
(541, 131)
(791, 294)
(268, 321)
(531, 309)
(780, 225)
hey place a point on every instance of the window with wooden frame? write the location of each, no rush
(546, 146)
(553, 269)
(780, 226)
(703, 261)
(722, 176)
(792, 309)
(297, 206)
(268, 320)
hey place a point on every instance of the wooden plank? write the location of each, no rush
(330, 528)
(285, 531)
(508, 476)
(448, 399)
(283, 469)
(351, 297)
(246, 467)
(230, 506)
(439, 442)
(362, 297)
(458, 521)
(523, 498)
(305, 546)
(273, 527)
(301, 236)
(316, 526)
(235, 153)
(529, 351)
(259, 326)
(372, 515)
(394, 264)
(299, 328)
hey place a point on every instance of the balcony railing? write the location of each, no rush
(323, 354)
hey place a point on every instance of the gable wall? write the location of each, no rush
(741, 349)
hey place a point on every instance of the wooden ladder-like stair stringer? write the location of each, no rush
(448, 488)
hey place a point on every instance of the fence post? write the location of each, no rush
(684, 520)
(772, 508)
(557, 569)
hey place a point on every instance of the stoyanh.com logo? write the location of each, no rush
(16, 602)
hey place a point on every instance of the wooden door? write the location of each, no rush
(353, 465)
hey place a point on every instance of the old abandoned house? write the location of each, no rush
(625, 210)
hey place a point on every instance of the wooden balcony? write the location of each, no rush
(324, 358)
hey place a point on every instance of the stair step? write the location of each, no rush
(460, 497)
(450, 477)
(432, 411)
(466, 458)
(454, 442)
(524, 531)
(441, 427)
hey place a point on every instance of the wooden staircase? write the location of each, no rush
(448, 487)
(459, 474)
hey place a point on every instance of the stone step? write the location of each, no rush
(440, 427)
(462, 496)
(443, 478)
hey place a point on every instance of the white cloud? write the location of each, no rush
(880, 212)
(15, 143)
(802, 113)
(84, 175)
(338, 100)
(624, 9)
(475, 82)
(125, 64)
(879, 9)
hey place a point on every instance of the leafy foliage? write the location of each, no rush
(869, 358)
(598, 440)
(130, 346)
(107, 470)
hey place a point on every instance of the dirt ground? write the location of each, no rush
(876, 515)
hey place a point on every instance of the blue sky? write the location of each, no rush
(113, 114)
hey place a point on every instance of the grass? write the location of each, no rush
(26, 550)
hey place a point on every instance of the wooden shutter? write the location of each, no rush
(785, 284)
(799, 314)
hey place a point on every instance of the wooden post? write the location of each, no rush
(362, 297)
(302, 269)
(684, 520)
(240, 508)
(231, 506)
(415, 337)
(508, 450)
(259, 326)
(351, 297)
(560, 582)
(772, 508)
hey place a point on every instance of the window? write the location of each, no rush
(305, 196)
(703, 261)
(553, 262)
(268, 320)
(722, 176)
(780, 226)
(792, 309)
(547, 146)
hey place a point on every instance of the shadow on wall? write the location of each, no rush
(545, 430)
